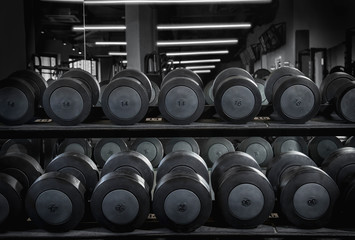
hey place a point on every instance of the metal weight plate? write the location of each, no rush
(76, 145)
(121, 202)
(67, 101)
(103, 86)
(78, 165)
(228, 161)
(320, 147)
(87, 79)
(227, 73)
(283, 161)
(290, 143)
(275, 76)
(258, 148)
(139, 76)
(22, 167)
(331, 84)
(261, 73)
(214, 148)
(345, 101)
(155, 94)
(261, 86)
(181, 144)
(237, 99)
(106, 147)
(182, 201)
(182, 161)
(151, 148)
(182, 73)
(209, 93)
(55, 202)
(17, 101)
(296, 100)
(125, 101)
(245, 197)
(130, 162)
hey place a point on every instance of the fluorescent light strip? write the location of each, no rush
(117, 53)
(200, 67)
(202, 71)
(196, 42)
(99, 28)
(196, 53)
(124, 61)
(197, 61)
(111, 43)
(94, 2)
(204, 26)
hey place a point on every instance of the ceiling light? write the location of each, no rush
(196, 42)
(111, 43)
(200, 67)
(124, 61)
(117, 53)
(197, 53)
(171, 1)
(99, 28)
(198, 61)
(202, 71)
(204, 26)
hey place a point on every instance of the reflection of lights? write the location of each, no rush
(197, 53)
(99, 28)
(117, 53)
(111, 43)
(200, 67)
(202, 71)
(203, 26)
(198, 61)
(196, 42)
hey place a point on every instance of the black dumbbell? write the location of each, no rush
(320, 147)
(75, 145)
(103, 85)
(151, 148)
(181, 97)
(289, 143)
(259, 148)
(295, 98)
(236, 96)
(17, 173)
(208, 93)
(182, 199)
(306, 194)
(338, 89)
(126, 98)
(57, 200)
(260, 77)
(244, 195)
(106, 147)
(68, 101)
(20, 95)
(27, 146)
(350, 142)
(214, 147)
(121, 199)
(181, 144)
(155, 94)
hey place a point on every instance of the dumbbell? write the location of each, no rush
(208, 93)
(244, 196)
(121, 199)
(289, 143)
(320, 147)
(306, 194)
(181, 98)
(75, 145)
(236, 96)
(69, 99)
(155, 94)
(57, 200)
(106, 147)
(214, 147)
(151, 148)
(182, 200)
(126, 98)
(350, 142)
(261, 86)
(17, 173)
(20, 95)
(27, 146)
(181, 144)
(259, 148)
(103, 85)
(338, 89)
(295, 98)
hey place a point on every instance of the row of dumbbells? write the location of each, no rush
(119, 197)
(235, 94)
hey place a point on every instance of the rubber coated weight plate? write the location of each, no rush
(344, 101)
(321, 146)
(332, 83)
(182, 161)
(22, 167)
(209, 93)
(261, 87)
(130, 162)
(286, 144)
(258, 148)
(20, 146)
(121, 202)
(55, 202)
(67, 101)
(283, 161)
(155, 94)
(214, 148)
(86, 78)
(106, 147)
(228, 161)
(76, 145)
(125, 101)
(151, 148)
(181, 144)
(261, 73)
(78, 165)
(182, 73)
(139, 76)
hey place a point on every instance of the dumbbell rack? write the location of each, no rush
(202, 128)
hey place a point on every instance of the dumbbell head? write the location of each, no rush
(345, 101)
(78, 165)
(286, 144)
(258, 148)
(155, 94)
(332, 83)
(56, 202)
(181, 97)
(151, 148)
(20, 145)
(321, 146)
(75, 145)
(130, 162)
(261, 73)
(106, 147)
(214, 148)
(181, 144)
